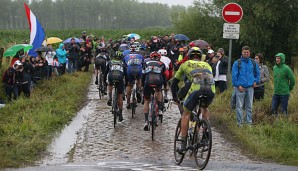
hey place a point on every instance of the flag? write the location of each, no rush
(37, 34)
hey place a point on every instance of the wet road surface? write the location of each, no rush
(92, 142)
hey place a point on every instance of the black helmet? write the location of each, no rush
(118, 55)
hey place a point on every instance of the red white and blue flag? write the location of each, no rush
(37, 34)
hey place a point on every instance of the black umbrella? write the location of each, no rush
(43, 49)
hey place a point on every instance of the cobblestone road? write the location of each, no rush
(98, 140)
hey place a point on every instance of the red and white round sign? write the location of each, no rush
(232, 13)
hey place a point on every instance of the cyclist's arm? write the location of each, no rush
(107, 70)
(176, 80)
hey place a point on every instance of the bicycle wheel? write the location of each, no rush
(177, 143)
(115, 106)
(203, 143)
(153, 117)
(134, 104)
(99, 87)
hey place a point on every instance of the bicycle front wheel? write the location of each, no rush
(203, 143)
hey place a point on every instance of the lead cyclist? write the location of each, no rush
(201, 78)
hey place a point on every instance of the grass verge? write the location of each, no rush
(271, 139)
(28, 125)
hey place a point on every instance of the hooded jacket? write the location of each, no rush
(284, 79)
(61, 54)
(245, 76)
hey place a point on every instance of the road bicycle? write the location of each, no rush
(115, 107)
(199, 138)
(134, 98)
(153, 112)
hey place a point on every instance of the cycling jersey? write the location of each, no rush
(134, 64)
(200, 74)
(116, 72)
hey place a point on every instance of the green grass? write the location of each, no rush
(273, 139)
(28, 125)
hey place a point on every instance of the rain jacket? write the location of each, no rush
(61, 54)
(284, 79)
(246, 75)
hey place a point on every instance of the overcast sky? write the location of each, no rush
(185, 3)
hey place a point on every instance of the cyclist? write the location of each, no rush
(154, 71)
(116, 72)
(100, 63)
(169, 69)
(200, 75)
(134, 64)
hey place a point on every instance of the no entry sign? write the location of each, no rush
(232, 13)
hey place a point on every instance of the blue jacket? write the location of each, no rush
(245, 76)
(61, 54)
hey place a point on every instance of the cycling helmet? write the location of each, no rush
(162, 52)
(194, 51)
(118, 55)
(133, 48)
(154, 55)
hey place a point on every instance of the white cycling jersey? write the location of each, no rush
(166, 61)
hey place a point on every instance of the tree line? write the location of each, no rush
(267, 26)
(86, 14)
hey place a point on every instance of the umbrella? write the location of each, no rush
(76, 40)
(52, 40)
(43, 49)
(136, 36)
(12, 51)
(181, 37)
(202, 44)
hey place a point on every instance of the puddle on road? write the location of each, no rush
(66, 139)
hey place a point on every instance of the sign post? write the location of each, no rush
(231, 13)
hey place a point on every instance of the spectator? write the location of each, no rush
(61, 53)
(49, 55)
(259, 90)
(83, 37)
(284, 82)
(245, 77)
(220, 70)
(9, 80)
(25, 77)
(74, 50)
(209, 57)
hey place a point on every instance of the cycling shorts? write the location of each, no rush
(116, 76)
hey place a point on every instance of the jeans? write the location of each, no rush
(244, 98)
(9, 90)
(72, 65)
(280, 99)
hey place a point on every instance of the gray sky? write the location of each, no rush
(185, 3)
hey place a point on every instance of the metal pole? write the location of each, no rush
(229, 76)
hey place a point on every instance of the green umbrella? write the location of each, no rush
(12, 51)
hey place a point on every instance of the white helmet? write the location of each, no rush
(162, 52)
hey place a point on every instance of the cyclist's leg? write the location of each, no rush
(138, 86)
(128, 92)
(110, 88)
(96, 71)
(158, 94)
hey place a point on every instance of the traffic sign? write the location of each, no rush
(232, 13)
(231, 31)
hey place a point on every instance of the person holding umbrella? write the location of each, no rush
(74, 50)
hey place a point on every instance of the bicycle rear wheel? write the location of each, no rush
(203, 143)
(134, 104)
(153, 117)
(177, 143)
(115, 106)
(100, 87)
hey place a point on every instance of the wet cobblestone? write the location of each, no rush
(98, 140)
